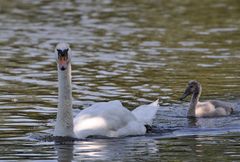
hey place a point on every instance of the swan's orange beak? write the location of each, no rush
(62, 62)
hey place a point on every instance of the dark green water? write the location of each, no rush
(133, 51)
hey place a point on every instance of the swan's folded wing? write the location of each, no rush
(106, 119)
(146, 113)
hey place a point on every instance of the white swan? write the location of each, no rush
(109, 119)
(211, 108)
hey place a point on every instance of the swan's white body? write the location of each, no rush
(108, 119)
(111, 119)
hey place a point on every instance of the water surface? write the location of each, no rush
(133, 51)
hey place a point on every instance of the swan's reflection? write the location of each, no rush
(107, 149)
(64, 151)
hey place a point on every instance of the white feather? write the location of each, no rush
(146, 113)
(112, 119)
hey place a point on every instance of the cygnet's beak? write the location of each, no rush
(185, 94)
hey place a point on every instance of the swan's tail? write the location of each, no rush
(146, 113)
(155, 103)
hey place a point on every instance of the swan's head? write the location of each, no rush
(63, 55)
(192, 87)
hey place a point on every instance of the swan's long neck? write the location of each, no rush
(64, 124)
(193, 103)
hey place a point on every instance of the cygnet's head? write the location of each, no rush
(63, 55)
(192, 87)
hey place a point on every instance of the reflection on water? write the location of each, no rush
(152, 148)
(134, 51)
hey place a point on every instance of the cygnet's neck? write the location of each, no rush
(194, 100)
(64, 124)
